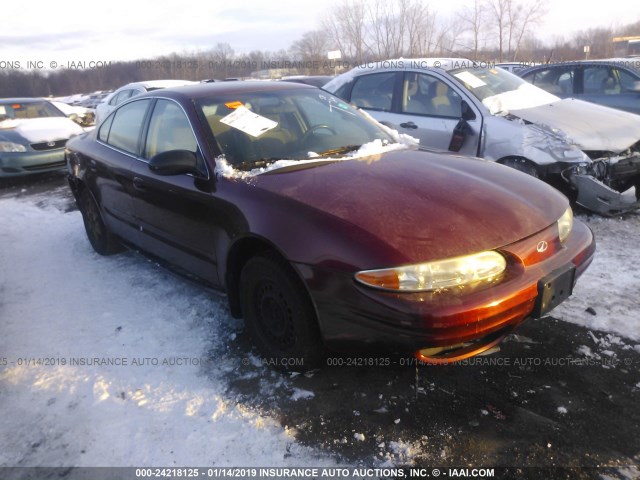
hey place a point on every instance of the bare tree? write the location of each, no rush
(345, 25)
(419, 28)
(313, 45)
(531, 13)
(473, 20)
(499, 17)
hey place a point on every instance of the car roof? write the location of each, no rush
(606, 61)
(203, 90)
(443, 63)
(23, 100)
(157, 84)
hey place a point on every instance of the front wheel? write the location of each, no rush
(101, 239)
(523, 165)
(279, 314)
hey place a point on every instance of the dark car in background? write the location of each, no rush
(315, 80)
(590, 152)
(613, 82)
(321, 227)
(33, 133)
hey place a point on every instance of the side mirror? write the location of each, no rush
(174, 162)
(467, 112)
(459, 134)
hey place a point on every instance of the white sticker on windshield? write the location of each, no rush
(248, 122)
(470, 79)
(2, 110)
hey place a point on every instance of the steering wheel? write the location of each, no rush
(314, 129)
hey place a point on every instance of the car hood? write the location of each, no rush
(424, 205)
(35, 130)
(588, 125)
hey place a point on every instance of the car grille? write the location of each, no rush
(45, 166)
(49, 145)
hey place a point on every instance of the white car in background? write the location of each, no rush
(85, 117)
(131, 90)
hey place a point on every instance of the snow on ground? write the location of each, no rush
(168, 402)
(163, 402)
(607, 296)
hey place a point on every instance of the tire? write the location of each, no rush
(101, 239)
(279, 314)
(523, 165)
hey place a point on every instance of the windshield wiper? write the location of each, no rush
(260, 163)
(339, 150)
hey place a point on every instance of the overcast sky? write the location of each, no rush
(129, 30)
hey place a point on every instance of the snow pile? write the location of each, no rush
(115, 362)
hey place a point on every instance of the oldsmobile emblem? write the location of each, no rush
(542, 246)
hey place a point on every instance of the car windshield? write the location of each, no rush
(20, 110)
(501, 91)
(258, 128)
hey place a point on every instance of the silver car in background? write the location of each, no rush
(133, 89)
(590, 152)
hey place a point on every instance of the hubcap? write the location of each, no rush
(275, 316)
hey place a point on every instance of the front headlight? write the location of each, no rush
(565, 224)
(11, 147)
(451, 272)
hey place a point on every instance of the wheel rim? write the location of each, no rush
(275, 316)
(94, 222)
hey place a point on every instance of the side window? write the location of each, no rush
(426, 95)
(565, 82)
(169, 129)
(126, 126)
(374, 91)
(558, 81)
(627, 81)
(600, 79)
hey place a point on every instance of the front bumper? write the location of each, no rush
(13, 164)
(598, 197)
(354, 317)
(601, 185)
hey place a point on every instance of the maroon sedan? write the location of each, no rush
(325, 229)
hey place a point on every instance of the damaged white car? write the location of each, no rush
(590, 152)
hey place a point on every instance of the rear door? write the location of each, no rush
(111, 172)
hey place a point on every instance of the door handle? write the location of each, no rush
(410, 125)
(138, 183)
